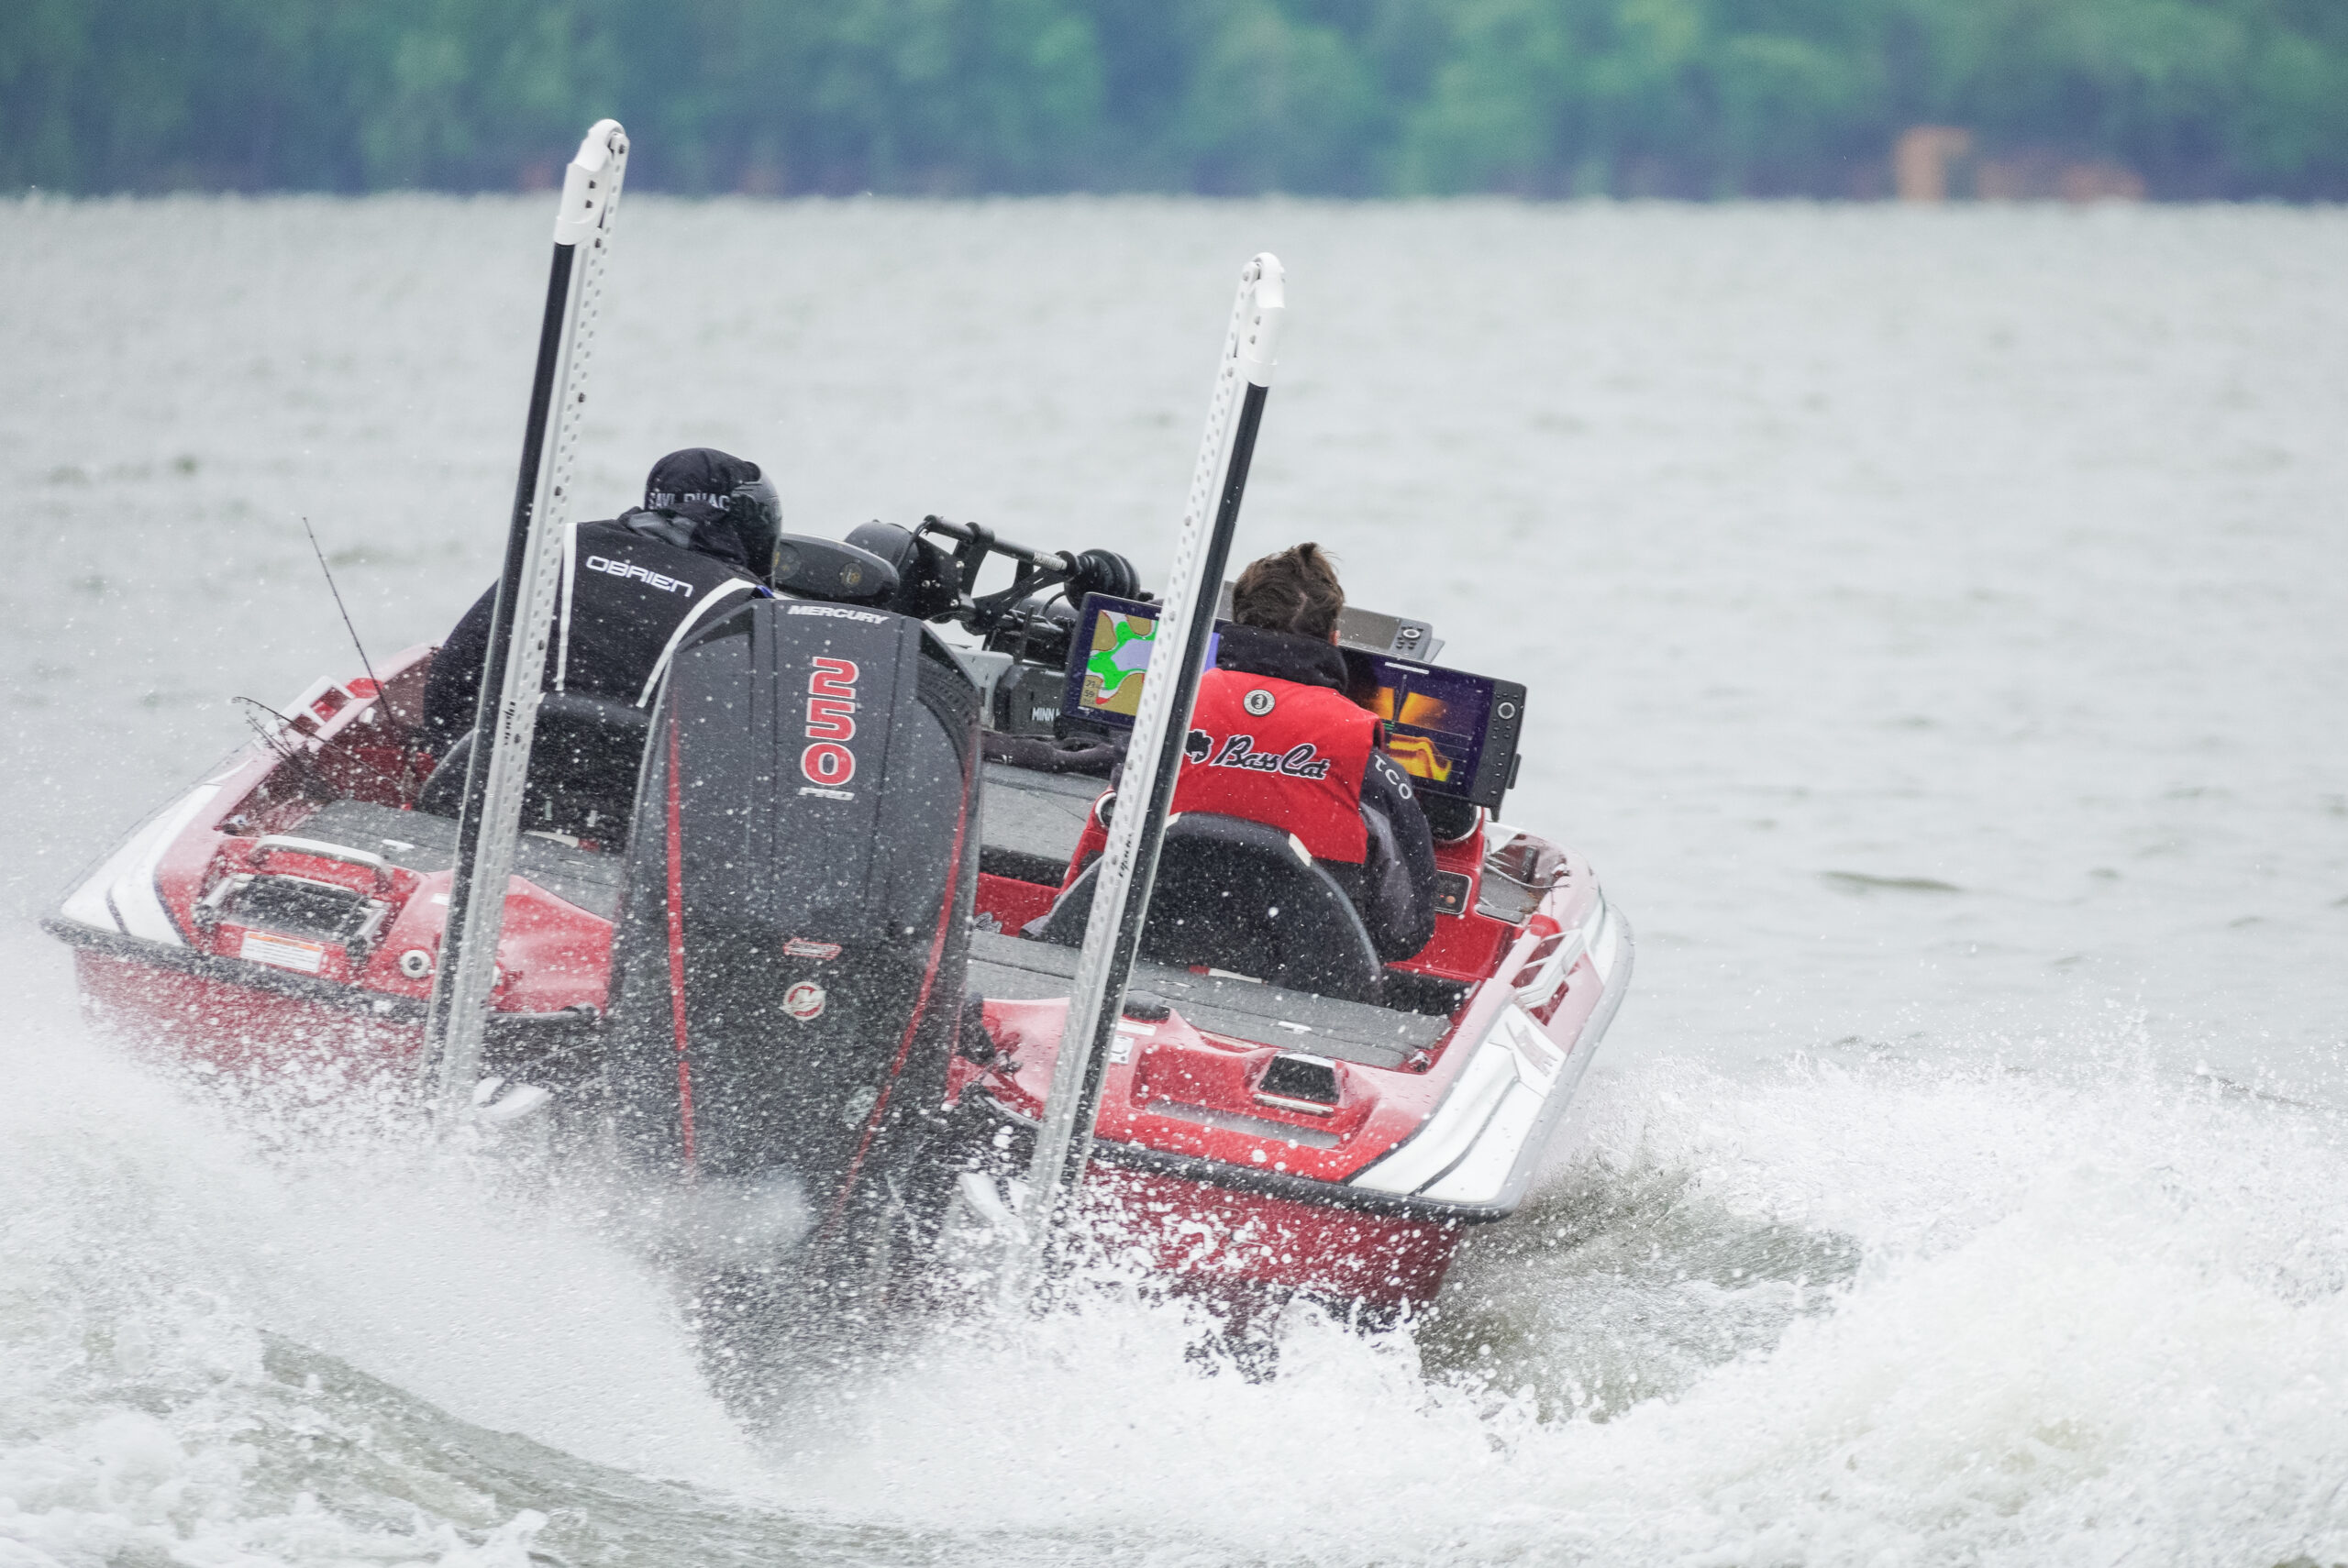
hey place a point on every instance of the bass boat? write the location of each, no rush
(819, 928)
(792, 938)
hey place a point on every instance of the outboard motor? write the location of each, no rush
(789, 955)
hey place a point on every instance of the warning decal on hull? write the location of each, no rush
(282, 951)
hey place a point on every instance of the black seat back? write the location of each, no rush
(584, 763)
(1241, 896)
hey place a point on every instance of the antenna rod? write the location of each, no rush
(363, 662)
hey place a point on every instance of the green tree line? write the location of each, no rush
(1352, 97)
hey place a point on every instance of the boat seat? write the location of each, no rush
(584, 763)
(1244, 898)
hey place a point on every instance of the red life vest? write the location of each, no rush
(1281, 752)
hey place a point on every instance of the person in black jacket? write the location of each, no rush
(632, 587)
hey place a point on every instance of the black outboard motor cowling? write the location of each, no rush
(789, 956)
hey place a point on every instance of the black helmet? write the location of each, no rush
(735, 512)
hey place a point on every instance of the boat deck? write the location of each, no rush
(1016, 970)
(1029, 821)
(422, 843)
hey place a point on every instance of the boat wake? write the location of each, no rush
(1880, 1309)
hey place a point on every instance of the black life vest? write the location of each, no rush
(628, 600)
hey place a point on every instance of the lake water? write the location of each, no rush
(1937, 632)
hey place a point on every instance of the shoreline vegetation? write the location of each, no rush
(1926, 100)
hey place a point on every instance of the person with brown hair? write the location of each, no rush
(1275, 739)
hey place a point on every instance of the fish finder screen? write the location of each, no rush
(1435, 717)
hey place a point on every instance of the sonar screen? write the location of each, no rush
(1453, 731)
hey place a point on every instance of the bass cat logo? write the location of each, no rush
(828, 762)
(1300, 761)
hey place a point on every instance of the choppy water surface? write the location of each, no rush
(1935, 622)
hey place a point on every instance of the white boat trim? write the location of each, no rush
(1449, 1135)
(1473, 1148)
(122, 896)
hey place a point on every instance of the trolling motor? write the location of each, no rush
(1086, 572)
(888, 566)
(1027, 620)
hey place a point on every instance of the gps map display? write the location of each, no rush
(1116, 656)
(1109, 664)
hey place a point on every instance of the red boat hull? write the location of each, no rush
(1201, 1172)
(231, 1027)
(1211, 1231)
